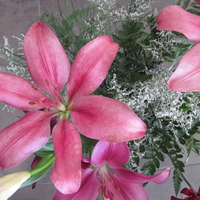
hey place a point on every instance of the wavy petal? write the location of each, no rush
(47, 61)
(136, 192)
(88, 190)
(177, 19)
(114, 154)
(187, 75)
(90, 67)
(21, 94)
(106, 119)
(24, 137)
(66, 174)
(134, 177)
(131, 191)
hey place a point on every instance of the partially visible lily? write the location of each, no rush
(94, 116)
(187, 75)
(108, 179)
(191, 195)
(198, 2)
(10, 183)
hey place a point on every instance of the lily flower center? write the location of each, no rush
(109, 185)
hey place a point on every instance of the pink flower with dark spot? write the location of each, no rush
(96, 117)
(191, 195)
(108, 179)
(198, 2)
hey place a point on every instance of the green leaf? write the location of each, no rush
(149, 155)
(41, 169)
(177, 181)
(160, 156)
(156, 162)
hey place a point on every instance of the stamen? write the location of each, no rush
(113, 196)
(47, 82)
(103, 183)
(45, 110)
(111, 180)
(56, 88)
(34, 87)
(31, 103)
(99, 190)
(117, 188)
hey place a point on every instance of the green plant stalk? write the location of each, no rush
(40, 167)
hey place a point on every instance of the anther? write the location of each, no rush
(117, 188)
(47, 82)
(99, 190)
(111, 180)
(103, 183)
(45, 110)
(56, 88)
(31, 103)
(34, 87)
(113, 196)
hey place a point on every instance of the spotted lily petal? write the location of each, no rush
(90, 67)
(24, 137)
(187, 75)
(106, 119)
(20, 93)
(66, 174)
(134, 177)
(177, 19)
(114, 154)
(88, 189)
(47, 61)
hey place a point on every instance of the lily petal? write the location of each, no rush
(88, 190)
(90, 67)
(130, 191)
(174, 198)
(47, 61)
(177, 19)
(20, 93)
(134, 177)
(24, 137)
(66, 174)
(114, 154)
(187, 75)
(106, 119)
(85, 163)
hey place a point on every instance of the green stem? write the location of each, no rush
(49, 160)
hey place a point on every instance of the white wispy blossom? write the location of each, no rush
(14, 62)
(110, 13)
(166, 103)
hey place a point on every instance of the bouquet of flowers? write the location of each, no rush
(93, 89)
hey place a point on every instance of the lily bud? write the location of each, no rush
(10, 183)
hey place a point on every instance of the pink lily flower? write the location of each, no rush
(187, 75)
(96, 117)
(109, 179)
(191, 195)
(198, 2)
